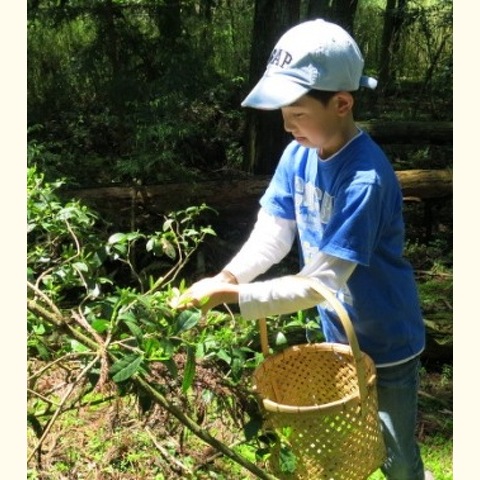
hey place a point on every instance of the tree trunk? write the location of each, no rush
(108, 15)
(266, 138)
(169, 24)
(395, 15)
(341, 12)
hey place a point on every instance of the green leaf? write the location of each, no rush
(136, 331)
(287, 460)
(150, 244)
(167, 225)
(124, 368)
(100, 325)
(161, 349)
(223, 355)
(187, 320)
(116, 238)
(237, 367)
(168, 248)
(189, 372)
(78, 347)
(131, 236)
(209, 231)
(67, 212)
(251, 428)
(200, 353)
(39, 329)
(81, 266)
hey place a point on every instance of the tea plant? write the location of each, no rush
(111, 337)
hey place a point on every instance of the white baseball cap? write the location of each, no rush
(312, 55)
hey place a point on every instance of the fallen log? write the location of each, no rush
(426, 184)
(387, 132)
(234, 195)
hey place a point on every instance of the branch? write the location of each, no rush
(102, 347)
(36, 374)
(167, 455)
(60, 322)
(59, 409)
(55, 311)
(199, 432)
(432, 273)
(45, 399)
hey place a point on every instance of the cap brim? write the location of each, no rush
(274, 92)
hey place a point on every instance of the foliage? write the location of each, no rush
(139, 92)
(106, 349)
(144, 102)
(147, 92)
(118, 336)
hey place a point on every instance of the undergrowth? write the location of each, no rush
(120, 386)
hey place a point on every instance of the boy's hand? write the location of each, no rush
(207, 294)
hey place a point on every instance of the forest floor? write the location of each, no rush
(110, 437)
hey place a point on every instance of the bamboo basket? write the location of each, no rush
(319, 403)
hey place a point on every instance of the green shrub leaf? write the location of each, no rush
(187, 320)
(189, 372)
(124, 368)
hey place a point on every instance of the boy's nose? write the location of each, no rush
(287, 125)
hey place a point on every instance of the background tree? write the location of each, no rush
(338, 11)
(265, 135)
(395, 19)
(149, 91)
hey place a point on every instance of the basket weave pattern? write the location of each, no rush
(324, 395)
(335, 441)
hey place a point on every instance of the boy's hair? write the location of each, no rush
(321, 95)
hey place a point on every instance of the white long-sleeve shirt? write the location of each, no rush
(270, 241)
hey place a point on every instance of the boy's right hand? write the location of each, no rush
(208, 293)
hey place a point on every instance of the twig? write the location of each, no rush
(434, 274)
(58, 360)
(102, 349)
(200, 432)
(45, 298)
(447, 303)
(45, 399)
(167, 455)
(232, 316)
(435, 399)
(59, 409)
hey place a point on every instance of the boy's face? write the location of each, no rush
(316, 125)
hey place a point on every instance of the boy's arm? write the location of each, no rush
(287, 294)
(292, 293)
(270, 241)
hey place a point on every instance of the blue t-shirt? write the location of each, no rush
(350, 207)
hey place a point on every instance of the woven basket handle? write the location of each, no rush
(346, 323)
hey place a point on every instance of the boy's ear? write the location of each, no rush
(343, 103)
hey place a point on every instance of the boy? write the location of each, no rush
(334, 189)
